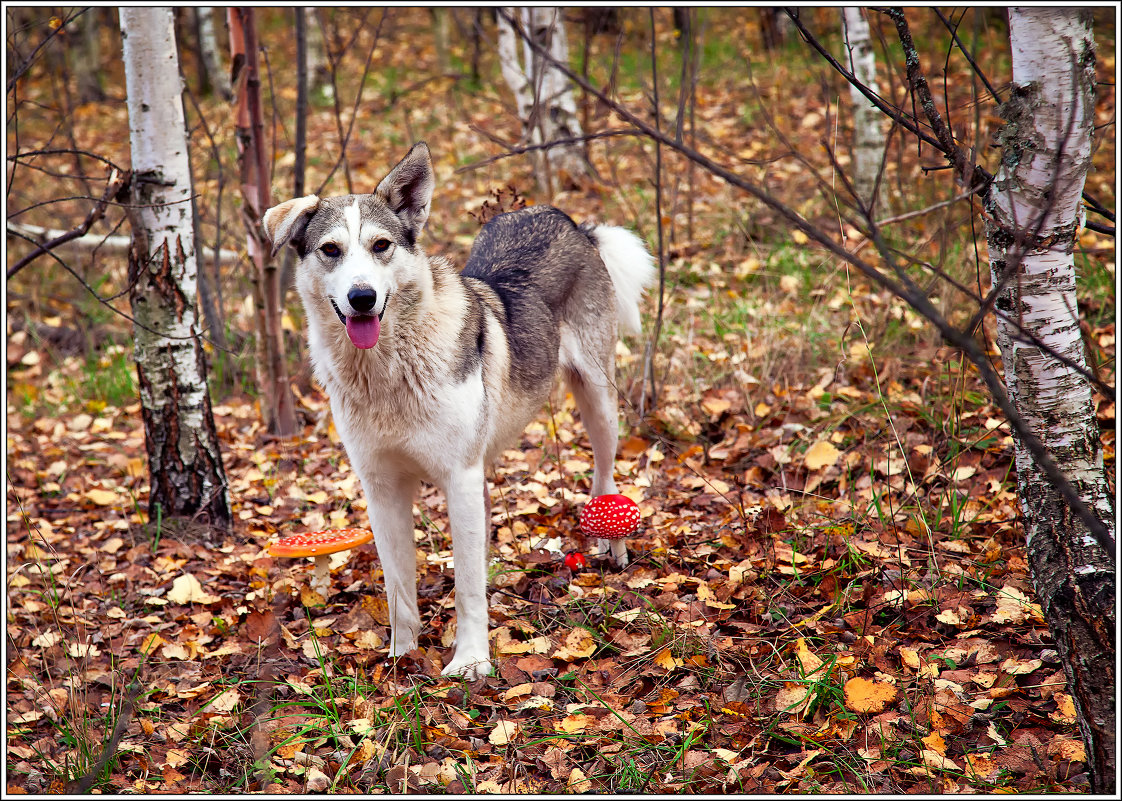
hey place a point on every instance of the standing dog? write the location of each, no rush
(432, 373)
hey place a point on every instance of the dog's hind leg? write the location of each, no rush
(592, 382)
(390, 508)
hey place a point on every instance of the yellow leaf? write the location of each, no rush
(102, 497)
(963, 472)
(820, 454)
(503, 733)
(368, 641)
(576, 723)
(808, 662)
(578, 782)
(579, 644)
(665, 659)
(936, 743)
(1065, 709)
(871, 697)
(151, 643)
(187, 589)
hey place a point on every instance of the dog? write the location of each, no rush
(432, 373)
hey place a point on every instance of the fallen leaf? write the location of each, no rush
(503, 733)
(868, 697)
(820, 454)
(578, 782)
(187, 589)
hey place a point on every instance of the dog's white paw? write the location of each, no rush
(398, 648)
(468, 668)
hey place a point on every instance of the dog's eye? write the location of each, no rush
(380, 245)
(330, 249)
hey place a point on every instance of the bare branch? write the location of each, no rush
(114, 186)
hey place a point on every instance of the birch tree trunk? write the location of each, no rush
(1033, 215)
(211, 52)
(543, 93)
(277, 404)
(868, 123)
(183, 455)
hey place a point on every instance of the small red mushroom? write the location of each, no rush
(321, 544)
(611, 517)
(575, 561)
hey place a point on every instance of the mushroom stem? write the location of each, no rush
(321, 580)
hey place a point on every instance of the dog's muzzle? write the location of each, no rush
(343, 317)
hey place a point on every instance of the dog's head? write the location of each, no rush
(357, 251)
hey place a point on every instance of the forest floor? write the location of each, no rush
(828, 591)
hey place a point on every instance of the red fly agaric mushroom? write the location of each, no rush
(610, 517)
(321, 544)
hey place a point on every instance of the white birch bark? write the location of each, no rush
(542, 92)
(1033, 214)
(868, 122)
(211, 52)
(184, 462)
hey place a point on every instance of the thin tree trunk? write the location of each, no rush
(868, 127)
(211, 52)
(1033, 217)
(183, 454)
(543, 93)
(277, 400)
(87, 57)
(300, 143)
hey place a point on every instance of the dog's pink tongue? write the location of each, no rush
(363, 330)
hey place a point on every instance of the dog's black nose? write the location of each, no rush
(362, 299)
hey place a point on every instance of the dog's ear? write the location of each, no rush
(407, 189)
(288, 221)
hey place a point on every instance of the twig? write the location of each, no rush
(85, 783)
(117, 182)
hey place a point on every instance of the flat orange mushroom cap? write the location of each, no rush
(321, 543)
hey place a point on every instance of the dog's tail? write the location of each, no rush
(630, 266)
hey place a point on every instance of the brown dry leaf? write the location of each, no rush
(869, 697)
(936, 761)
(1067, 748)
(1021, 667)
(225, 701)
(794, 698)
(317, 781)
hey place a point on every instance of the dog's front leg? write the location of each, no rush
(470, 540)
(390, 507)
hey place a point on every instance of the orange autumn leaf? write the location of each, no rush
(869, 697)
